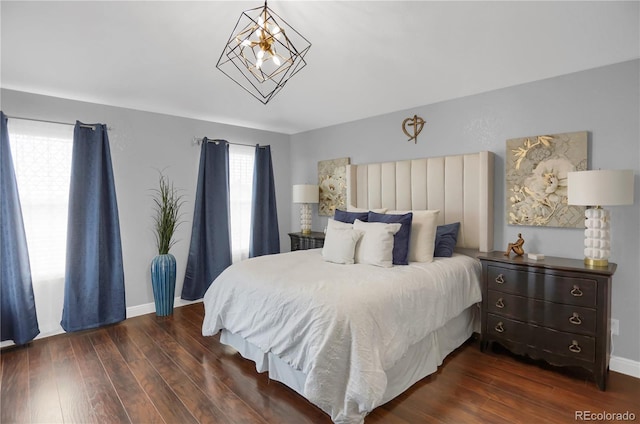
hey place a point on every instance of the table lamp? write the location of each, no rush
(599, 188)
(305, 194)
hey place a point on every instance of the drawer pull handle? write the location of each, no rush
(500, 303)
(575, 319)
(500, 279)
(499, 328)
(575, 348)
(576, 291)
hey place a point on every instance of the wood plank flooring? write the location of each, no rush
(161, 370)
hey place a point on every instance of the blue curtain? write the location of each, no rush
(19, 320)
(265, 236)
(210, 250)
(94, 281)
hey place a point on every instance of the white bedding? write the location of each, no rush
(342, 325)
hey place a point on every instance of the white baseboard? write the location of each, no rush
(148, 308)
(136, 311)
(624, 366)
(133, 311)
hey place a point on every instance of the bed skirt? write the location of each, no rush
(421, 360)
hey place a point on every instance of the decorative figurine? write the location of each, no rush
(516, 247)
(417, 123)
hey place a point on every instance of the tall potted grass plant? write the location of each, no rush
(167, 203)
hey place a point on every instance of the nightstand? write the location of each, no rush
(555, 309)
(300, 241)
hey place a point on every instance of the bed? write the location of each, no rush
(352, 337)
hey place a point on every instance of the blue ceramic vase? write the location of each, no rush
(163, 280)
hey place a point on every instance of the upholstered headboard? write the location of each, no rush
(460, 186)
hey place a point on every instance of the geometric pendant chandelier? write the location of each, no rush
(263, 53)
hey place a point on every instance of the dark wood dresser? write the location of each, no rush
(555, 309)
(312, 240)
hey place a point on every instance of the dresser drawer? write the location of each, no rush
(554, 288)
(508, 329)
(311, 243)
(569, 318)
(300, 241)
(564, 344)
(295, 244)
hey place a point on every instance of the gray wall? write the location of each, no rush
(141, 144)
(603, 101)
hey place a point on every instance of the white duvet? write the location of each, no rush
(342, 325)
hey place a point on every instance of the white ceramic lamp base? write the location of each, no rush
(305, 218)
(597, 244)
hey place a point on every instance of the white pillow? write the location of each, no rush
(340, 245)
(352, 208)
(423, 234)
(342, 252)
(332, 223)
(376, 245)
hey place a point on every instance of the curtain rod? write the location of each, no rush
(198, 141)
(53, 122)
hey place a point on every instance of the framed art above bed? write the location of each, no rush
(332, 184)
(536, 179)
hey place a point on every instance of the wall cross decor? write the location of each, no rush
(417, 123)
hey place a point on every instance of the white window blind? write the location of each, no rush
(241, 161)
(42, 160)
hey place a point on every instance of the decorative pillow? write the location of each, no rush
(349, 217)
(401, 238)
(340, 245)
(352, 208)
(376, 245)
(423, 234)
(446, 239)
(332, 223)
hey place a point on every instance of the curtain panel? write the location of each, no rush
(19, 321)
(210, 248)
(94, 292)
(265, 235)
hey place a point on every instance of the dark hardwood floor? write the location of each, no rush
(161, 370)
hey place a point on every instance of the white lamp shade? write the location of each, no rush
(600, 187)
(306, 193)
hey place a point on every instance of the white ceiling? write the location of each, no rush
(367, 57)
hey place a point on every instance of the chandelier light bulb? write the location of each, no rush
(259, 63)
(260, 54)
(276, 60)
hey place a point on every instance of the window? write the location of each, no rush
(42, 159)
(241, 160)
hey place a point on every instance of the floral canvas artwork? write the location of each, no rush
(536, 178)
(332, 180)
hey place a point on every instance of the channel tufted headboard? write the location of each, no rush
(460, 186)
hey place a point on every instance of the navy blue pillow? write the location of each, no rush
(350, 217)
(446, 239)
(402, 238)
